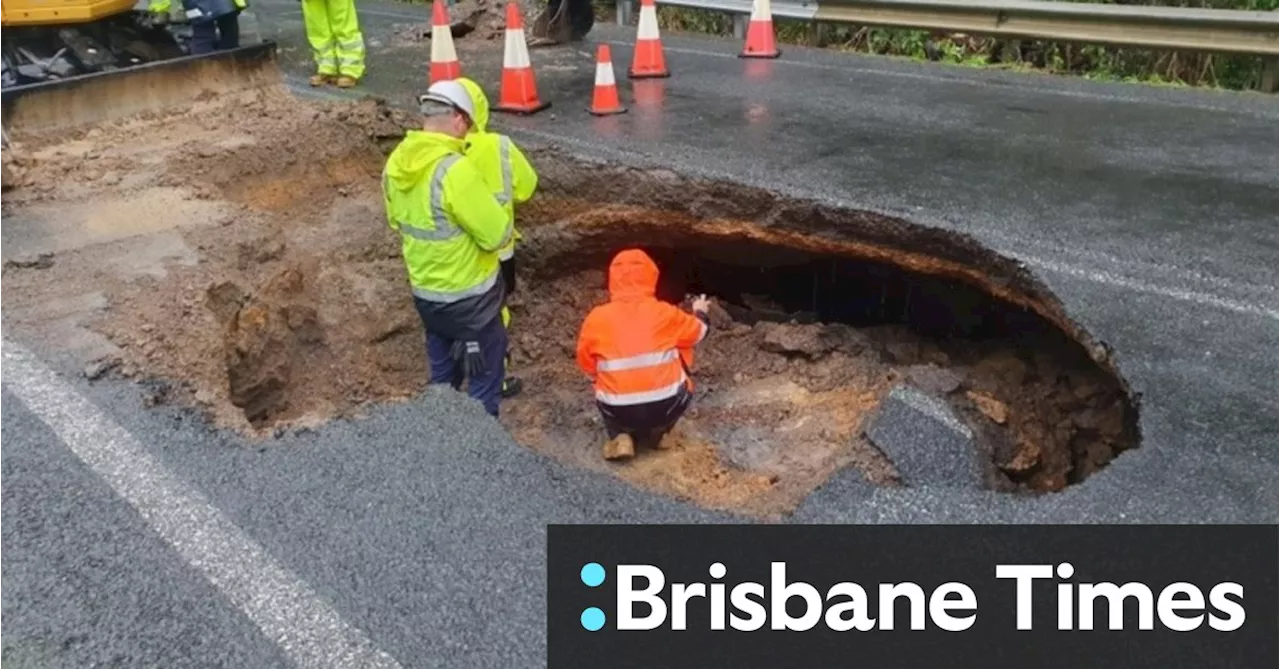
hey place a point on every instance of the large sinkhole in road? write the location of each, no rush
(297, 312)
(809, 336)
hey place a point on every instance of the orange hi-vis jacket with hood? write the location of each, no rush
(636, 348)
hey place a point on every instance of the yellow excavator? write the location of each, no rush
(73, 62)
(68, 63)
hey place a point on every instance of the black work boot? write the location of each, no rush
(511, 386)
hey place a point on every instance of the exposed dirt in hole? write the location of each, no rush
(808, 340)
(282, 306)
(285, 304)
(778, 407)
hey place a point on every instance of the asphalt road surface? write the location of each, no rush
(416, 537)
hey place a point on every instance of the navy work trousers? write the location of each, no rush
(487, 386)
(509, 274)
(649, 421)
(219, 34)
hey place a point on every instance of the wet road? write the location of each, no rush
(1151, 213)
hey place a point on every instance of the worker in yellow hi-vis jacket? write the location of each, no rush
(333, 29)
(507, 171)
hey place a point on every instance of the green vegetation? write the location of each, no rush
(1090, 61)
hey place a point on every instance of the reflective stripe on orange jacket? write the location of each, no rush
(636, 348)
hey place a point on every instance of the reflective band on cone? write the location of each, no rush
(760, 39)
(604, 100)
(648, 60)
(519, 93)
(444, 59)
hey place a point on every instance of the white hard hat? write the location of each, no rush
(450, 93)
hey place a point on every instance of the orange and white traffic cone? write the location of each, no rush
(444, 58)
(604, 101)
(648, 61)
(519, 93)
(760, 38)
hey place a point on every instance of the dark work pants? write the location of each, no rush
(645, 421)
(509, 274)
(508, 267)
(487, 387)
(217, 35)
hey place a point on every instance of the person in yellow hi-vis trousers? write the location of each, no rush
(333, 29)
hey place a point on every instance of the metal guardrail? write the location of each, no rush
(1180, 28)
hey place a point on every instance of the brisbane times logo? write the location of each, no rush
(643, 600)
(746, 596)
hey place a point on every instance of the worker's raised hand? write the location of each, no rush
(701, 304)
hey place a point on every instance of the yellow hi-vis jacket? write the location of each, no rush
(500, 162)
(449, 223)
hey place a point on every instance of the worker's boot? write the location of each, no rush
(346, 82)
(619, 447)
(320, 79)
(511, 386)
(669, 441)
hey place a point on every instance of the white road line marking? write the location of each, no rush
(288, 611)
(1103, 259)
(932, 407)
(1108, 278)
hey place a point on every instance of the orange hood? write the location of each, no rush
(632, 276)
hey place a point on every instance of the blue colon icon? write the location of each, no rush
(592, 574)
(592, 619)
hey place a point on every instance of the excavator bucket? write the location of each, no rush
(149, 87)
(561, 22)
(550, 25)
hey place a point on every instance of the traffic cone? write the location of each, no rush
(444, 59)
(760, 42)
(604, 101)
(648, 62)
(519, 93)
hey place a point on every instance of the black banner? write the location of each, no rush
(743, 596)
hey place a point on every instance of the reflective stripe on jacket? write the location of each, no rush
(501, 163)
(450, 225)
(636, 348)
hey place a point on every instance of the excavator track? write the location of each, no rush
(73, 63)
(38, 52)
(155, 86)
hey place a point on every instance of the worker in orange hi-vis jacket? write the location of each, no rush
(637, 351)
